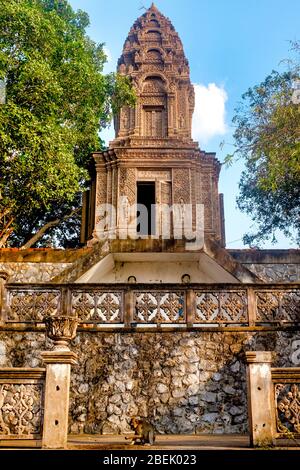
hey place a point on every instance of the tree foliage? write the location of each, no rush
(267, 137)
(57, 100)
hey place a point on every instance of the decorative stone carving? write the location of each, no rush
(62, 330)
(32, 305)
(159, 307)
(127, 184)
(153, 55)
(277, 305)
(287, 402)
(101, 307)
(181, 185)
(152, 175)
(221, 307)
(153, 85)
(20, 409)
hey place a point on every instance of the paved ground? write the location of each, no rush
(163, 442)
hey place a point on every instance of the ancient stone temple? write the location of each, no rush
(153, 159)
(171, 325)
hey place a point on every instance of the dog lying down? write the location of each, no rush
(143, 432)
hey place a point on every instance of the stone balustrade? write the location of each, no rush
(134, 305)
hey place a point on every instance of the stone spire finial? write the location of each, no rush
(153, 7)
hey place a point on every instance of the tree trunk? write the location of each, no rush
(6, 231)
(44, 229)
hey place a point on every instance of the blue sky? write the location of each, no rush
(231, 45)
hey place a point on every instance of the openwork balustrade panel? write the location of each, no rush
(221, 307)
(159, 307)
(32, 305)
(98, 306)
(278, 306)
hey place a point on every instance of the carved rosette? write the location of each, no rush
(61, 330)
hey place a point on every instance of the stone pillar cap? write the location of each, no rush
(260, 356)
(59, 357)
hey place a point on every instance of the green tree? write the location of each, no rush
(57, 99)
(267, 137)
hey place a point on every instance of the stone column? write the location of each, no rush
(3, 280)
(58, 371)
(261, 407)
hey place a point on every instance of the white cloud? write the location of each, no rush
(107, 53)
(107, 134)
(209, 115)
(110, 65)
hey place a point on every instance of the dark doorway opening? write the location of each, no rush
(146, 218)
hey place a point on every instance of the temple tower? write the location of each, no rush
(153, 159)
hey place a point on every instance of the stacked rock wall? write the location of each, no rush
(191, 382)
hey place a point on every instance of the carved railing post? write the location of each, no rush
(58, 371)
(261, 409)
(251, 306)
(66, 301)
(3, 300)
(190, 307)
(128, 308)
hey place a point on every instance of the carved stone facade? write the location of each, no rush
(155, 135)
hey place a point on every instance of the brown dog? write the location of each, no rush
(143, 431)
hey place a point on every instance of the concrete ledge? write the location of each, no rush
(291, 256)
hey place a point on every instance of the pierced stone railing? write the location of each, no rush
(21, 403)
(131, 305)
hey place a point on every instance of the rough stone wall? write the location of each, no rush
(269, 272)
(46, 272)
(189, 382)
(33, 272)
